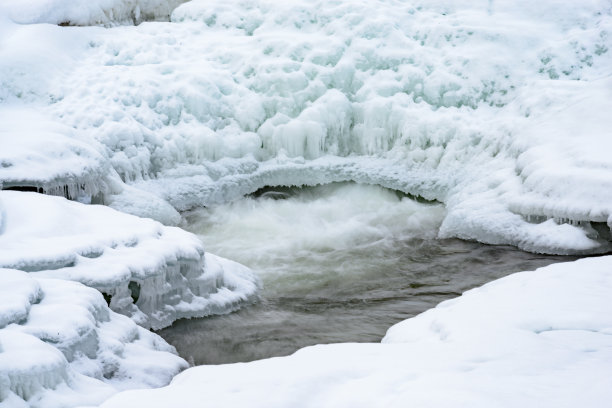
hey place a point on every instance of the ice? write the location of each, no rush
(141, 203)
(39, 153)
(86, 12)
(60, 345)
(533, 337)
(152, 273)
(496, 109)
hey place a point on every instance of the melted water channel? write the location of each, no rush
(339, 263)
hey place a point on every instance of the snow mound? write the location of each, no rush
(90, 12)
(60, 345)
(540, 337)
(499, 110)
(152, 273)
(42, 154)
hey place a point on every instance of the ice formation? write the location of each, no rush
(60, 345)
(152, 273)
(86, 12)
(533, 338)
(497, 109)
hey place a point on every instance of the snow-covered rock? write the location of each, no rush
(540, 338)
(149, 272)
(60, 345)
(47, 156)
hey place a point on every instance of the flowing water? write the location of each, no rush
(339, 263)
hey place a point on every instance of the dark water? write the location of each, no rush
(339, 263)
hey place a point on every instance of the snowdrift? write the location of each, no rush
(540, 337)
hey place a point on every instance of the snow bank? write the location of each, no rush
(533, 338)
(152, 273)
(90, 12)
(498, 109)
(60, 345)
(40, 153)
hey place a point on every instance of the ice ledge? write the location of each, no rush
(42, 155)
(91, 12)
(60, 345)
(480, 198)
(152, 273)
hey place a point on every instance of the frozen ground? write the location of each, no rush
(497, 109)
(540, 338)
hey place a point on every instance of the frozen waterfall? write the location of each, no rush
(132, 111)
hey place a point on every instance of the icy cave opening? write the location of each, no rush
(341, 262)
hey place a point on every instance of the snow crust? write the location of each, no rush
(153, 273)
(497, 109)
(60, 345)
(540, 337)
(38, 152)
(87, 12)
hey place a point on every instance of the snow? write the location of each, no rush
(497, 109)
(85, 12)
(540, 337)
(38, 152)
(117, 253)
(82, 355)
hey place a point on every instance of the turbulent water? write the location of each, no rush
(339, 263)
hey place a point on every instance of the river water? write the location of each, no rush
(339, 263)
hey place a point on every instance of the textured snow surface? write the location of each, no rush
(153, 273)
(540, 338)
(89, 12)
(499, 109)
(60, 345)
